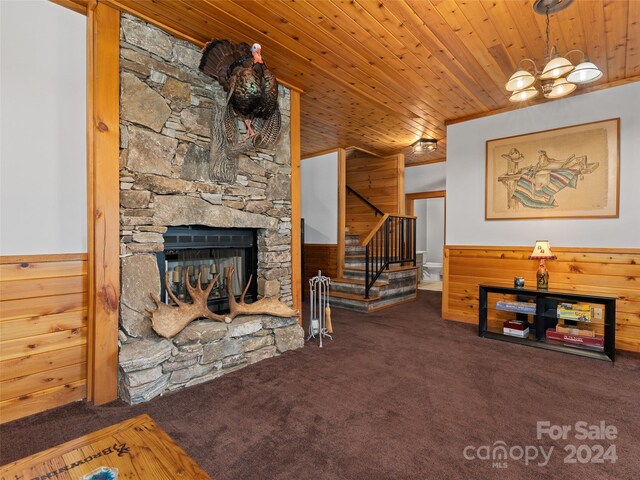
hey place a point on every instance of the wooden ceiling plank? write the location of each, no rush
(632, 62)
(332, 20)
(410, 48)
(592, 15)
(528, 28)
(458, 22)
(435, 28)
(321, 19)
(502, 22)
(427, 46)
(615, 26)
(404, 61)
(477, 16)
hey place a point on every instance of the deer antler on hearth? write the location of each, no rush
(168, 320)
(265, 306)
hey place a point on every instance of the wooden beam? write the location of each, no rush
(296, 238)
(103, 63)
(342, 208)
(411, 197)
(79, 6)
(400, 172)
(321, 152)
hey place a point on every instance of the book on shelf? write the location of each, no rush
(576, 340)
(515, 324)
(518, 307)
(575, 330)
(516, 333)
(573, 311)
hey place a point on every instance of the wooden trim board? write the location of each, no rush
(342, 209)
(296, 235)
(103, 116)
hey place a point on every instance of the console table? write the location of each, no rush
(545, 316)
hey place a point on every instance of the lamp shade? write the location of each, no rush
(561, 88)
(542, 249)
(555, 68)
(523, 95)
(520, 80)
(585, 72)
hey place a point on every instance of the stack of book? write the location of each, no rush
(516, 328)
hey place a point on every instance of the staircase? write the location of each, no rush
(396, 284)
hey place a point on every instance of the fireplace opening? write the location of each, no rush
(208, 251)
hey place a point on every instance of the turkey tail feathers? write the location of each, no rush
(219, 56)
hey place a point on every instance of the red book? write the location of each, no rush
(592, 342)
(516, 324)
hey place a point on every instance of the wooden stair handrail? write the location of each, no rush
(378, 226)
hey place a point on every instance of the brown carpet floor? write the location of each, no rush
(396, 395)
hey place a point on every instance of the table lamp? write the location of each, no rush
(542, 252)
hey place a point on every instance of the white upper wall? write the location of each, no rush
(425, 178)
(319, 198)
(466, 174)
(43, 206)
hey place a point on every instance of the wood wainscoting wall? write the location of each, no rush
(319, 257)
(597, 271)
(381, 182)
(43, 333)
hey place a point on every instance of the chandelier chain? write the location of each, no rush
(547, 32)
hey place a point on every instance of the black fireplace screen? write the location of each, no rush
(193, 250)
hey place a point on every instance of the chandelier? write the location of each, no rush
(559, 77)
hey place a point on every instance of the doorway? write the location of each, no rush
(429, 210)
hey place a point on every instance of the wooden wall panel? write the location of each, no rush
(376, 179)
(319, 257)
(598, 271)
(43, 333)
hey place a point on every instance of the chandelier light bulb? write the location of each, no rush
(556, 68)
(585, 72)
(520, 80)
(561, 87)
(524, 95)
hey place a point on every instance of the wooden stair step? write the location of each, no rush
(351, 296)
(390, 269)
(356, 281)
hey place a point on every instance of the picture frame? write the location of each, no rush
(567, 172)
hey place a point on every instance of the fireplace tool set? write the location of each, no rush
(320, 321)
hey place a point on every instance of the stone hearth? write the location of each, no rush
(165, 122)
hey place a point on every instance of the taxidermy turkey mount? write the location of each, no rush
(252, 95)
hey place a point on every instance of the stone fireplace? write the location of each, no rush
(166, 107)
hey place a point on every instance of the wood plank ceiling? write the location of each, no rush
(379, 74)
